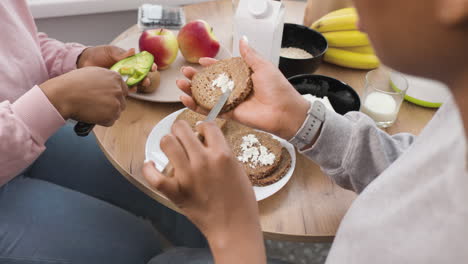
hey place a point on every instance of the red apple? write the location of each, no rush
(197, 40)
(162, 43)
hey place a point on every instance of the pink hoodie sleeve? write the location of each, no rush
(26, 124)
(59, 57)
(24, 127)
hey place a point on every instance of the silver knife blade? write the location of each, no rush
(219, 105)
(125, 78)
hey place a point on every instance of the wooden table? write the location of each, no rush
(310, 207)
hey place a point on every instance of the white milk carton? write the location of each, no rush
(261, 21)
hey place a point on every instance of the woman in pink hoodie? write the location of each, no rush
(55, 207)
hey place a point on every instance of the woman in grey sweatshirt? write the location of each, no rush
(413, 191)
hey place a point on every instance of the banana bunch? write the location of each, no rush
(348, 47)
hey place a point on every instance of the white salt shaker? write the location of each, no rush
(261, 21)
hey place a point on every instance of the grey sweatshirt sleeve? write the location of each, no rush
(353, 151)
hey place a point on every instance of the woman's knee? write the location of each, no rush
(53, 222)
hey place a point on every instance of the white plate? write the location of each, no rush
(426, 92)
(167, 90)
(153, 152)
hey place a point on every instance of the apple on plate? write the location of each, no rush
(196, 40)
(162, 43)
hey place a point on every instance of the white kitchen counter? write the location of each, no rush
(61, 8)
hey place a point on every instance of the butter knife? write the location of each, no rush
(83, 129)
(169, 170)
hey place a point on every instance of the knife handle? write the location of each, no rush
(168, 171)
(83, 129)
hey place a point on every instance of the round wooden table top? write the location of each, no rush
(310, 207)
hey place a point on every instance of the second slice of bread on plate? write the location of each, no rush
(254, 168)
(278, 174)
(193, 118)
(278, 162)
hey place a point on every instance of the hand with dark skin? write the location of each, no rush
(106, 56)
(211, 188)
(92, 93)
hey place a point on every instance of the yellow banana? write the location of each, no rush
(343, 11)
(361, 49)
(351, 59)
(341, 39)
(336, 23)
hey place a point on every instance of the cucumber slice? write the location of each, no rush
(137, 67)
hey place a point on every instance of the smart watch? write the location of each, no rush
(310, 127)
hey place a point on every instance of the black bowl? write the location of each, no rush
(342, 97)
(298, 36)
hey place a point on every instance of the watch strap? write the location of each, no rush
(310, 127)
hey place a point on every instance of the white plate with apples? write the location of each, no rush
(165, 42)
(153, 152)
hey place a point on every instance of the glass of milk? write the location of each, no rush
(384, 93)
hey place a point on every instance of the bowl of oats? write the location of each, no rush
(302, 50)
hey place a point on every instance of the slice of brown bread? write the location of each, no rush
(257, 171)
(206, 95)
(193, 118)
(278, 174)
(232, 128)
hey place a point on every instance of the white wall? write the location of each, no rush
(91, 22)
(60, 8)
(94, 29)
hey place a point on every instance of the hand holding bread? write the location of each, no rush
(273, 105)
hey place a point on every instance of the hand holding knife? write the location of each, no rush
(169, 169)
(83, 129)
(133, 70)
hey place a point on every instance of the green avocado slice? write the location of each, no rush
(136, 67)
